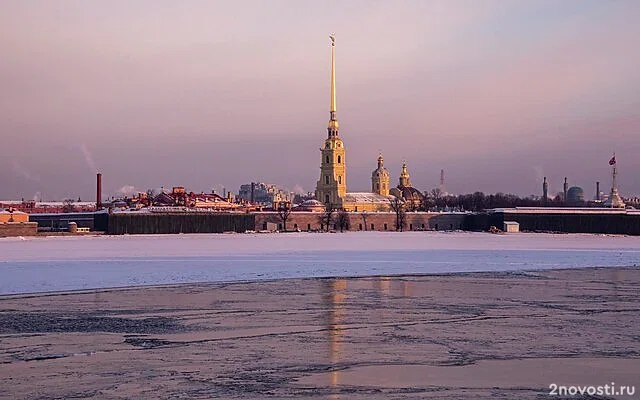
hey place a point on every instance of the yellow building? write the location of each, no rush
(332, 185)
(13, 216)
(412, 197)
(380, 179)
(331, 188)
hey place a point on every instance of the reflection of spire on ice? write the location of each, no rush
(335, 295)
(387, 286)
(384, 285)
(406, 288)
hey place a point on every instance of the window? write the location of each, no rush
(326, 179)
(373, 227)
(326, 160)
(326, 198)
(308, 227)
(410, 227)
(436, 226)
(377, 186)
(339, 159)
(264, 226)
(340, 179)
(360, 227)
(385, 227)
(279, 227)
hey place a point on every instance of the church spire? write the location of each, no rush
(333, 126)
(404, 176)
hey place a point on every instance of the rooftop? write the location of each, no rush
(564, 210)
(367, 197)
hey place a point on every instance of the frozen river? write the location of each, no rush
(84, 262)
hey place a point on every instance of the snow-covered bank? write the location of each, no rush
(68, 263)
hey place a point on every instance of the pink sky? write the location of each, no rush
(212, 94)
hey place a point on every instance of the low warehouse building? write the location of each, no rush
(511, 227)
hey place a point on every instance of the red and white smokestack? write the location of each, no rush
(98, 191)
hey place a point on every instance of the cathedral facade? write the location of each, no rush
(331, 188)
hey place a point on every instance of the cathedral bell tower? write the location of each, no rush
(332, 185)
(380, 178)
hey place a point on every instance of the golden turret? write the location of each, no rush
(404, 176)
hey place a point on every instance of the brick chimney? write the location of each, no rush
(99, 191)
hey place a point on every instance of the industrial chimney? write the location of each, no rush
(98, 191)
(597, 191)
(545, 191)
(565, 189)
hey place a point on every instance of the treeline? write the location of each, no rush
(479, 201)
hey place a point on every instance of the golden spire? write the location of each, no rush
(333, 121)
(404, 176)
(404, 169)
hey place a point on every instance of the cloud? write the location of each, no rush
(297, 189)
(20, 171)
(88, 158)
(127, 190)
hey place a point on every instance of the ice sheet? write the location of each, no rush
(83, 262)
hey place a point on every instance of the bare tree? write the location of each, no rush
(284, 210)
(342, 220)
(398, 207)
(413, 204)
(327, 217)
(436, 193)
(364, 216)
(68, 206)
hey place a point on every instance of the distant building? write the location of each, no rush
(265, 194)
(36, 207)
(178, 197)
(575, 196)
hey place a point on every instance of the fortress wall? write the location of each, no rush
(131, 223)
(8, 229)
(567, 222)
(357, 221)
(578, 223)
